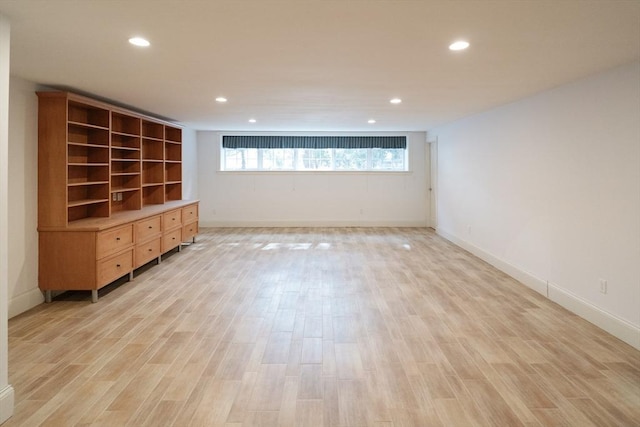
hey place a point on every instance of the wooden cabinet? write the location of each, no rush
(148, 251)
(91, 253)
(190, 223)
(103, 159)
(148, 238)
(109, 191)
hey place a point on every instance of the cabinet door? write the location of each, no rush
(115, 240)
(172, 219)
(148, 251)
(111, 268)
(171, 240)
(147, 228)
(189, 213)
(189, 231)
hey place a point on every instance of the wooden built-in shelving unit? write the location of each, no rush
(105, 173)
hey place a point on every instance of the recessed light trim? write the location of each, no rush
(371, 121)
(252, 120)
(459, 45)
(395, 100)
(221, 99)
(139, 41)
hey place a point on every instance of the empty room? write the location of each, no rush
(334, 213)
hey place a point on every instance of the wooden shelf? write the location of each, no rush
(125, 141)
(150, 139)
(88, 113)
(88, 125)
(173, 134)
(125, 124)
(86, 202)
(86, 145)
(113, 133)
(152, 150)
(89, 150)
(77, 184)
(101, 170)
(116, 147)
(123, 189)
(152, 130)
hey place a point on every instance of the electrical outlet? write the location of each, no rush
(603, 286)
(119, 197)
(114, 197)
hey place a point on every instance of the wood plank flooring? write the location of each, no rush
(385, 327)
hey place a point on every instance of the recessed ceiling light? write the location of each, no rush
(395, 101)
(371, 121)
(459, 45)
(139, 41)
(221, 99)
(252, 120)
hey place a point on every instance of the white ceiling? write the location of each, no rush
(323, 65)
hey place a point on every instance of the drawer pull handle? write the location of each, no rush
(150, 227)
(117, 238)
(118, 265)
(150, 250)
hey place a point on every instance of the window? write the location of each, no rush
(314, 153)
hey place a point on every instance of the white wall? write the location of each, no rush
(6, 391)
(189, 164)
(311, 198)
(548, 189)
(23, 197)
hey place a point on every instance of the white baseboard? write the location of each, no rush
(617, 327)
(23, 302)
(520, 275)
(314, 224)
(6, 403)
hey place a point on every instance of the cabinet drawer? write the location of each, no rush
(112, 241)
(116, 266)
(189, 231)
(147, 228)
(171, 240)
(147, 251)
(189, 213)
(171, 220)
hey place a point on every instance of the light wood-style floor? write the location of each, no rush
(318, 327)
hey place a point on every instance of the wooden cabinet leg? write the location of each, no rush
(94, 295)
(47, 296)
(130, 276)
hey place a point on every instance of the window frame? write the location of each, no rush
(296, 152)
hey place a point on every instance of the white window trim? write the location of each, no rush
(221, 158)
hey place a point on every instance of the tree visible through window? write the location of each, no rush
(321, 154)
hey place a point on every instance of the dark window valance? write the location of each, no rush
(318, 142)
